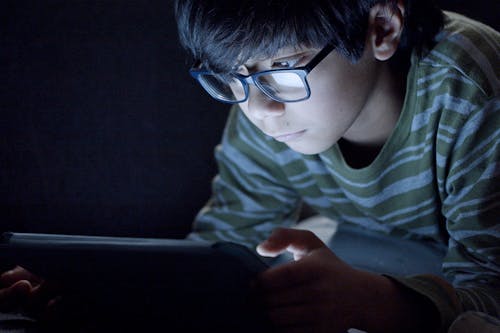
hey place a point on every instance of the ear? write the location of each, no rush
(385, 27)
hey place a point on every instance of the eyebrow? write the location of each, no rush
(288, 55)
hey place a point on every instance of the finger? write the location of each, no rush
(53, 310)
(41, 302)
(45, 292)
(18, 273)
(15, 295)
(286, 276)
(298, 242)
(54, 302)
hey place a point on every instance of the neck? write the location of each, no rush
(380, 114)
(362, 143)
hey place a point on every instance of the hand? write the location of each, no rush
(315, 293)
(23, 291)
(318, 292)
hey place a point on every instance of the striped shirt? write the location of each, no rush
(437, 174)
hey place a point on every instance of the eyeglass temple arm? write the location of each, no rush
(320, 56)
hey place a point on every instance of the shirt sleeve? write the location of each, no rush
(468, 165)
(471, 203)
(250, 195)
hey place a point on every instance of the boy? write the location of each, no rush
(383, 114)
(374, 115)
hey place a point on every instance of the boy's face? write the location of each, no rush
(342, 95)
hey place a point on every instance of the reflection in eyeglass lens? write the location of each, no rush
(286, 86)
(229, 89)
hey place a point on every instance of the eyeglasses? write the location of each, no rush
(282, 85)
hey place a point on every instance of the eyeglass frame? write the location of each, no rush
(246, 80)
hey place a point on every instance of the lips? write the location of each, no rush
(288, 136)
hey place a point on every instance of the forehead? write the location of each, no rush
(282, 53)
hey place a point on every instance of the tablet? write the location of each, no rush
(57, 255)
(171, 280)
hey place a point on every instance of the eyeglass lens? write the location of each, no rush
(229, 90)
(284, 86)
(287, 86)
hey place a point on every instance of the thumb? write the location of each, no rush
(298, 242)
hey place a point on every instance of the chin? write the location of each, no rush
(309, 149)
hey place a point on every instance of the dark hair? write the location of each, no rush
(225, 33)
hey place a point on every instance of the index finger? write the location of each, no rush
(298, 242)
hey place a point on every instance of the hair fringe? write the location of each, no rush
(223, 35)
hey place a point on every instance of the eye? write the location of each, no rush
(241, 69)
(287, 63)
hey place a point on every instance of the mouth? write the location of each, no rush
(288, 136)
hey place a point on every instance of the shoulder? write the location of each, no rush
(458, 80)
(467, 52)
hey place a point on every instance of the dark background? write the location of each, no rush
(102, 131)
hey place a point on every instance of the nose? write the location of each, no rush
(261, 106)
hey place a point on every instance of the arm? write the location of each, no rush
(467, 165)
(470, 192)
(472, 206)
(250, 195)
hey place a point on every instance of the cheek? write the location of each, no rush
(339, 78)
(342, 89)
(326, 90)
(244, 109)
(326, 98)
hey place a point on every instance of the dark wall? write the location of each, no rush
(102, 131)
(486, 11)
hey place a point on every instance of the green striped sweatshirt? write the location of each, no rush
(438, 173)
